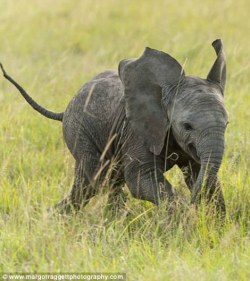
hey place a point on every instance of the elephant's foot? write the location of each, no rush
(76, 200)
(67, 206)
(116, 203)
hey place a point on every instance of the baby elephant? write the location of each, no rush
(133, 125)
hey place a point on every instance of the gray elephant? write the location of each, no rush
(139, 123)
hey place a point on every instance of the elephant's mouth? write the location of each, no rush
(193, 152)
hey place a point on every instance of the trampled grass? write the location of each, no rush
(52, 48)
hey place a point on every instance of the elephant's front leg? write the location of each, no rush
(212, 192)
(146, 181)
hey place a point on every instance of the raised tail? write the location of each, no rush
(34, 104)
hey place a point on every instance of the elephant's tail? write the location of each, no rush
(34, 104)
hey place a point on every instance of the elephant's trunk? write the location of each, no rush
(211, 154)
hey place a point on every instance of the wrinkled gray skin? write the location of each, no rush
(142, 121)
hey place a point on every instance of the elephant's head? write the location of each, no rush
(159, 96)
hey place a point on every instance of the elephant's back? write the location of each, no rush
(93, 111)
(102, 95)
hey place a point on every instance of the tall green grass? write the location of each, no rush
(52, 48)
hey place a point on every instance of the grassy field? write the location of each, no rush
(52, 48)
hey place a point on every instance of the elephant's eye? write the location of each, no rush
(188, 126)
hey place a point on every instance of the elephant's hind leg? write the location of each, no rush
(116, 202)
(89, 174)
(78, 198)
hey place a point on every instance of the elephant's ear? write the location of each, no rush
(217, 73)
(143, 80)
